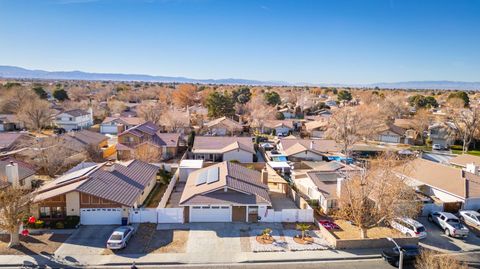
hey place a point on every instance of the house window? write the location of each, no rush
(70, 119)
(57, 212)
(44, 212)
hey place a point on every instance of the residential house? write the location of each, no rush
(147, 142)
(86, 141)
(223, 126)
(75, 119)
(308, 149)
(224, 192)
(117, 125)
(9, 122)
(223, 148)
(322, 181)
(13, 141)
(440, 133)
(464, 159)
(392, 134)
(455, 187)
(288, 113)
(277, 127)
(102, 194)
(316, 129)
(16, 173)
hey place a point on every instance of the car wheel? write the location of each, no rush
(462, 218)
(447, 232)
(430, 218)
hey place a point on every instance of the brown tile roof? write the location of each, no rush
(86, 137)
(464, 159)
(294, 146)
(125, 120)
(221, 144)
(244, 186)
(76, 112)
(224, 120)
(149, 132)
(8, 140)
(326, 182)
(436, 175)
(121, 183)
(278, 123)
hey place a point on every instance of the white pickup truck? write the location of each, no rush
(449, 223)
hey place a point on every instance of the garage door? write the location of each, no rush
(108, 129)
(389, 139)
(210, 214)
(100, 216)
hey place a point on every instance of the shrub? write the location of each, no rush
(71, 222)
(59, 225)
(39, 224)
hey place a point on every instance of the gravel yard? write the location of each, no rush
(279, 245)
(348, 231)
(46, 243)
(148, 239)
(318, 242)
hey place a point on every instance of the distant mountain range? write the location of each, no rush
(22, 73)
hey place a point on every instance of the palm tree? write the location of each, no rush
(303, 227)
(266, 233)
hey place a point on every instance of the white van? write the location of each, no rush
(409, 227)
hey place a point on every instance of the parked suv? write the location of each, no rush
(449, 223)
(409, 227)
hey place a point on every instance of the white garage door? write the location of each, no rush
(389, 138)
(210, 214)
(108, 129)
(100, 216)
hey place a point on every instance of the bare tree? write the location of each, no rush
(430, 260)
(36, 113)
(14, 206)
(467, 124)
(421, 121)
(14, 98)
(351, 125)
(377, 195)
(151, 111)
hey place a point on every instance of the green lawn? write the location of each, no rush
(471, 152)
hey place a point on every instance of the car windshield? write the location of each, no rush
(453, 221)
(420, 229)
(457, 225)
(116, 237)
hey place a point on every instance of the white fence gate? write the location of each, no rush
(143, 215)
(287, 215)
(170, 215)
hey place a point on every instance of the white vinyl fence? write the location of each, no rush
(286, 215)
(170, 215)
(143, 215)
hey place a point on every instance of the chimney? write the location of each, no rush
(109, 166)
(472, 168)
(311, 145)
(339, 186)
(11, 171)
(265, 176)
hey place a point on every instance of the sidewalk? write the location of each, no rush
(184, 258)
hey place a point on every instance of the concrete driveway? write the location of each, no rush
(437, 240)
(87, 240)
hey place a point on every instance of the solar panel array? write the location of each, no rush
(208, 176)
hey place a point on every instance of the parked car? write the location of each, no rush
(392, 256)
(267, 146)
(470, 216)
(437, 147)
(329, 225)
(119, 237)
(409, 227)
(449, 223)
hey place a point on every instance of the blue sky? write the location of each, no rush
(337, 41)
